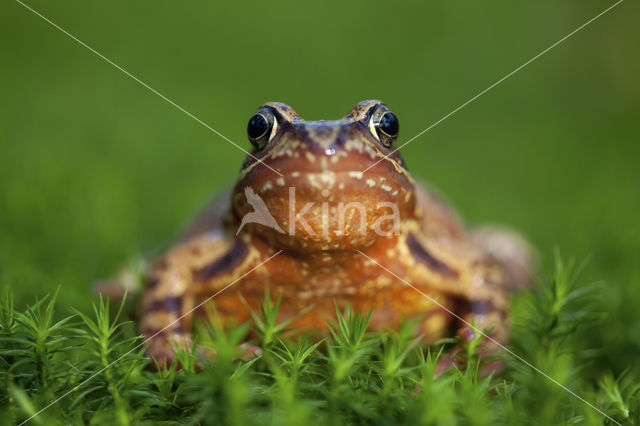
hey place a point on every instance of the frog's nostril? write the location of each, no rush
(330, 151)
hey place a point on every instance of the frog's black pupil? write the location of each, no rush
(389, 124)
(257, 126)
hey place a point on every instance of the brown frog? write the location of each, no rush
(325, 213)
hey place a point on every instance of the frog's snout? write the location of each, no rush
(331, 209)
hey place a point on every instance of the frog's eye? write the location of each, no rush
(261, 128)
(384, 125)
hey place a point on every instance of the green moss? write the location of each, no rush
(90, 369)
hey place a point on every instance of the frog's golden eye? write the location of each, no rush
(384, 125)
(261, 128)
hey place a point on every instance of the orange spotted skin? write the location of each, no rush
(322, 261)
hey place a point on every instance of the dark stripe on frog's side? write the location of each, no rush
(172, 306)
(224, 264)
(152, 283)
(483, 307)
(421, 254)
(176, 328)
(172, 330)
(463, 307)
(168, 304)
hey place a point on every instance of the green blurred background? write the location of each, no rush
(95, 169)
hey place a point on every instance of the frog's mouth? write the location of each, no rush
(322, 204)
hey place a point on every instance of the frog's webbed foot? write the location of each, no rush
(483, 319)
(486, 352)
(517, 257)
(162, 349)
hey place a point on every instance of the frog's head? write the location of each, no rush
(329, 185)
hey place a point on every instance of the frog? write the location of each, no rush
(326, 215)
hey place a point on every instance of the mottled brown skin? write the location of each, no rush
(432, 250)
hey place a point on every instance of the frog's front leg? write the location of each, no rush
(472, 286)
(174, 289)
(482, 315)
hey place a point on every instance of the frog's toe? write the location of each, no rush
(161, 353)
(163, 349)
